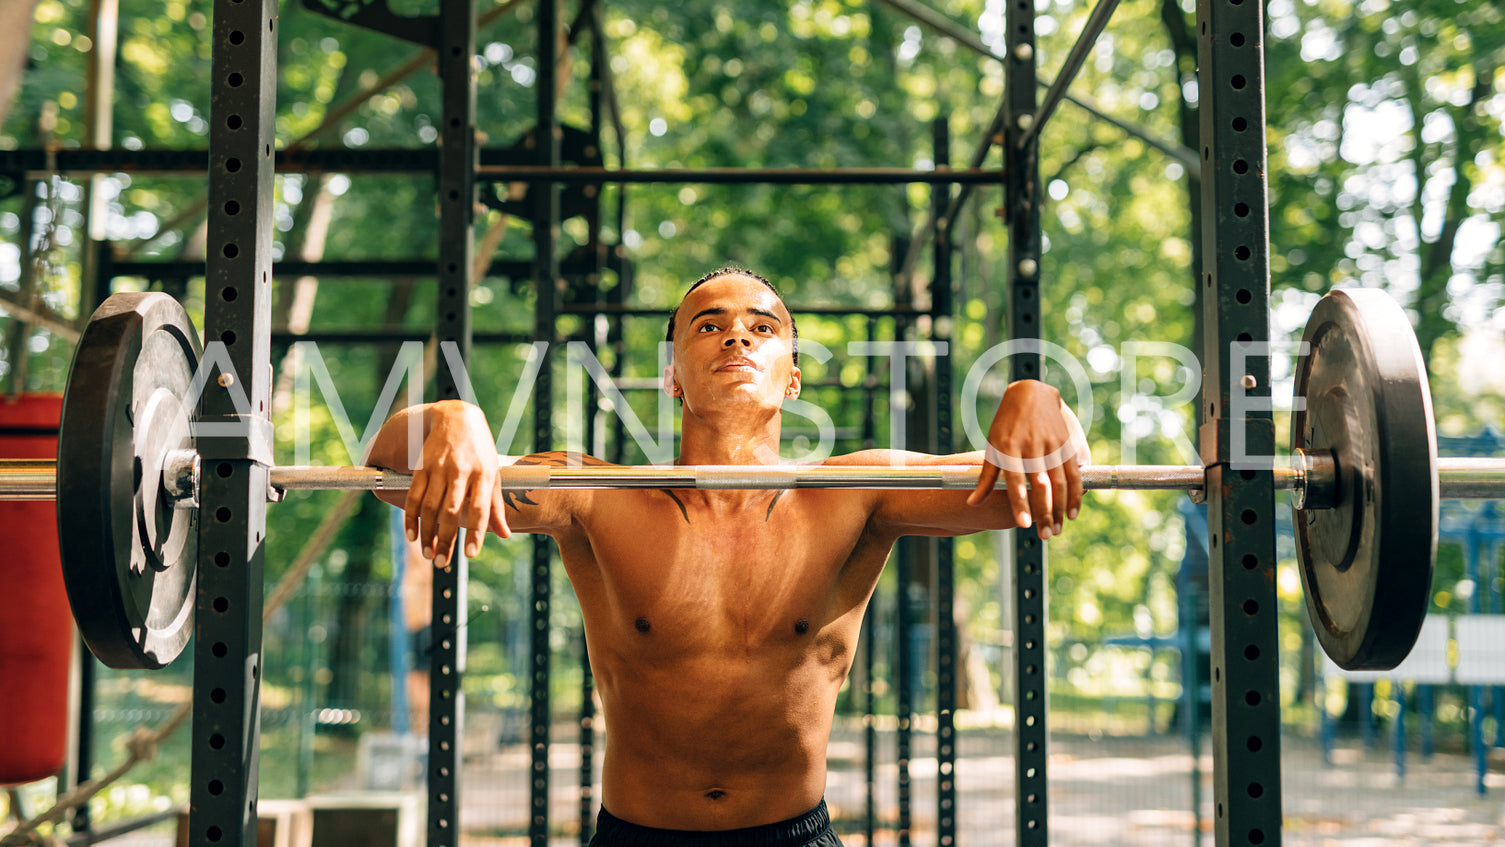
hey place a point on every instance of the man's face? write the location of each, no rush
(733, 343)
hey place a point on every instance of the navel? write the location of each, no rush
(802, 626)
(642, 625)
(715, 794)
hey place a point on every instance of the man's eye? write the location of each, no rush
(706, 327)
(765, 328)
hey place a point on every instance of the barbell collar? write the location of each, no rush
(180, 477)
(1316, 479)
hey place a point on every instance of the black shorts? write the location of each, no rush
(812, 829)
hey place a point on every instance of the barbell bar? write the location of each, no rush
(1364, 474)
(1459, 478)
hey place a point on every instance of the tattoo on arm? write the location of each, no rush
(677, 502)
(686, 515)
(772, 503)
(514, 498)
(555, 459)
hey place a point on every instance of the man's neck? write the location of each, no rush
(729, 442)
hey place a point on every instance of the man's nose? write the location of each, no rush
(737, 336)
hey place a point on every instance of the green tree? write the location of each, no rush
(1384, 125)
(1386, 154)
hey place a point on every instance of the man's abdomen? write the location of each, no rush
(714, 743)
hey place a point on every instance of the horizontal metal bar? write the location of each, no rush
(40, 164)
(929, 477)
(1459, 478)
(370, 267)
(28, 479)
(764, 176)
(662, 312)
(495, 166)
(1470, 478)
(96, 836)
(396, 335)
(383, 269)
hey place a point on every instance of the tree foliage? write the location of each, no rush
(1385, 170)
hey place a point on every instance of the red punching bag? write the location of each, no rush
(36, 626)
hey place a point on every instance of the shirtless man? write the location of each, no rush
(721, 624)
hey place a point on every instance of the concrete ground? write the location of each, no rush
(1107, 791)
(1131, 791)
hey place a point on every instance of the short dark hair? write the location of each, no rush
(735, 271)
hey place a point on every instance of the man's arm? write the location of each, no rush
(1034, 441)
(454, 466)
(900, 511)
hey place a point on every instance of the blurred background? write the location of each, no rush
(1385, 170)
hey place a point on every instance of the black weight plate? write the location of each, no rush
(1366, 565)
(130, 559)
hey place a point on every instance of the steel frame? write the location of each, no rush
(241, 162)
(457, 200)
(1235, 401)
(496, 165)
(237, 313)
(546, 279)
(1023, 201)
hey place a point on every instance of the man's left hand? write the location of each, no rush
(1036, 442)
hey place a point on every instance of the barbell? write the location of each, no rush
(1364, 475)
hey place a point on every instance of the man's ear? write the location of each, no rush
(793, 390)
(671, 387)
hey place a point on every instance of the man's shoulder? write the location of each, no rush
(874, 457)
(888, 458)
(563, 459)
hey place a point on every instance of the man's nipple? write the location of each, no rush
(802, 626)
(642, 625)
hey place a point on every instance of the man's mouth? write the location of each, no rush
(737, 364)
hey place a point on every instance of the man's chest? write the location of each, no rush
(774, 568)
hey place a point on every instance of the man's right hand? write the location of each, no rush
(454, 483)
